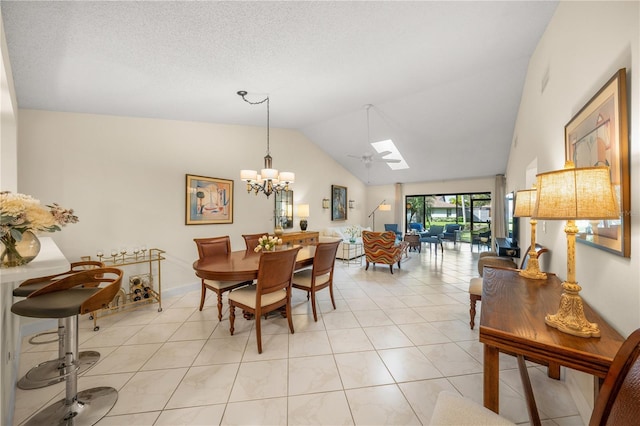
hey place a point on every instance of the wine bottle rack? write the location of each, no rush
(124, 301)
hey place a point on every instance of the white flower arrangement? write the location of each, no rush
(20, 213)
(267, 243)
(353, 231)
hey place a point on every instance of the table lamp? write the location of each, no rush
(525, 204)
(571, 194)
(303, 213)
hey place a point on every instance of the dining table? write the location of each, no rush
(242, 265)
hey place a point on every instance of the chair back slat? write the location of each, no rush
(215, 246)
(618, 402)
(275, 271)
(251, 240)
(324, 259)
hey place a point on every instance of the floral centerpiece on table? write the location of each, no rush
(267, 243)
(21, 215)
(353, 231)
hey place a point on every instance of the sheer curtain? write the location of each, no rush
(499, 225)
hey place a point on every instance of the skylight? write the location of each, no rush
(394, 154)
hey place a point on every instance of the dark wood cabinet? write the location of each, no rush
(507, 247)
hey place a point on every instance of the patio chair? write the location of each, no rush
(393, 227)
(451, 232)
(417, 226)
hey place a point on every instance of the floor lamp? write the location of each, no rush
(525, 204)
(383, 208)
(572, 194)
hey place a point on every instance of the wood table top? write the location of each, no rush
(512, 319)
(243, 265)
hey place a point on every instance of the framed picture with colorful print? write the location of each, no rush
(338, 202)
(209, 200)
(598, 135)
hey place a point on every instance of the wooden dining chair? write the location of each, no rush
(320, 276)
(491, 258)
(272, 291)
(618, 402)
(211, 247)
(251, 240)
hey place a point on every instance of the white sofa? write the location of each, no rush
(339, 232)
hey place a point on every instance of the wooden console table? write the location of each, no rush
(512, 321)
(302, 238)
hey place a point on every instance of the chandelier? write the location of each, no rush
(269, 180)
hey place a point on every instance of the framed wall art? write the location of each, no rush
(209, 200)
(598, 136)
(338, 202)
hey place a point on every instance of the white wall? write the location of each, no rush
(584, 45)
(8, 120)
(125, 178)
(580, 61)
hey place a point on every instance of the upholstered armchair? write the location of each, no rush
(451, 231)
(417, 226)
(381, 247)
(393, 227)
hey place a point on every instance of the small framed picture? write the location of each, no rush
(209, 200)
(338, 202)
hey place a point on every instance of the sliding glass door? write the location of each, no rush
(471, 210)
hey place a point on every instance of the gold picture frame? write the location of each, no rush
(598, 136)
(209, 200)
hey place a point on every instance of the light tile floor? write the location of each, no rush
(393, 343)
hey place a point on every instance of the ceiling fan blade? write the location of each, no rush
(359, 157)
(385, 160)
(383, 153)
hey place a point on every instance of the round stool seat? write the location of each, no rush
(27, 289)
(59, 304)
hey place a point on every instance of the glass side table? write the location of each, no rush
(352, 253)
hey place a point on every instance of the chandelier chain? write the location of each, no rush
(243, 94)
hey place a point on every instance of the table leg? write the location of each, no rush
(534, 417)
(553, 371)
(491, 394)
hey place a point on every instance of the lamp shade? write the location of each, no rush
(303, 210)
(385, 207)
(248, 175)
(287, 177)
(576, 193)
(525, 203)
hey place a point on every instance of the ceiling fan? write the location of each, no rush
(368, 158)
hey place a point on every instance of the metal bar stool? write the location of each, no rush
(66, 299)
(51, 372)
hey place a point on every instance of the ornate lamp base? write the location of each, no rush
(570, 317)
(303, 225)
(533, 270)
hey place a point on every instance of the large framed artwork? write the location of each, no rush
(598, 136)
(338, 202)
(209, 200)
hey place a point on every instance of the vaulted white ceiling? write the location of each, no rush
(444, 77)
